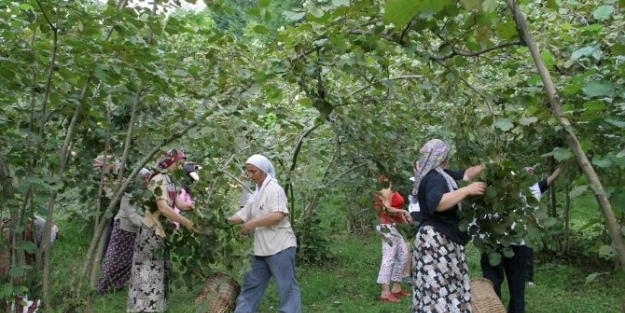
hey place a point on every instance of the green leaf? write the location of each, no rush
(618, 49)
(605, 250)
(594, 105)
(494, 258)
(586, 51)
(591, 277)
(314, 10)
(261, 29)
(504, 124)
(401, 12)
(602, 163)
(16, 271)
(603, 12)
(294, 16)
(616, 123)
(489, 5)
(548, 58)
(340, 3)
(598, 88)
(472, 4)
(552, 4)
(577, 191)
(620, 154)
(561, 154)
(526, 121)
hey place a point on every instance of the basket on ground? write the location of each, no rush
(220, 293)
(483, 297)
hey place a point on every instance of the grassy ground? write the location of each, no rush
(348, 283)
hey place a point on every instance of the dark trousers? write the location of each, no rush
(515, 269)
(530, 265)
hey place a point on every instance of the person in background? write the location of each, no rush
(185, 193)
(516, 267)
(440, 273)
(390, 205)
(118, 258)
(265, 215)
(538, 190)
(415, 213)
(150, 273)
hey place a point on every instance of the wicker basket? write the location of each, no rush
(219, 295)
(483, 297)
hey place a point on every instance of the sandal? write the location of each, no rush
(400, 293)
(390, 298)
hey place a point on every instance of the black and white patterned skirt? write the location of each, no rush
(149, 281)
(440, 273)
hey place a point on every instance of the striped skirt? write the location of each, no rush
(441, 274)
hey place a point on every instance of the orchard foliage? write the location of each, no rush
(333, 92)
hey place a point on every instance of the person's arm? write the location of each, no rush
(240, 217)
(275, 203)
(472, 172)
(267, 220)
(184, 202)
(171, 215)
(387, 197)
(554, 175)
(132, 213)
(450, 199)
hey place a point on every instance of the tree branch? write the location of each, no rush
(407, 77)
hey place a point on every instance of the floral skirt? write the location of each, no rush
(149, 281)
(118, 260)
(440, 275)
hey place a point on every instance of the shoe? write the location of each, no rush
(401, 293)
(531, 284)
(390, 298)
(407, 280)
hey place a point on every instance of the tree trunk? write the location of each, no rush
(571, 138)
(566, 216)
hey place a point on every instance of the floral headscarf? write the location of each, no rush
(433, 153)
(169, 158)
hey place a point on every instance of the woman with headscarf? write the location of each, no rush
(440, 273)
(149, 281)
(265, 214)
(389, 204)
(118, 258)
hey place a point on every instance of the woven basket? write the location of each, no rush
(483, 297)
(219, 295)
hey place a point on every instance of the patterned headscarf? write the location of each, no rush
(170, 157)
(433, 153)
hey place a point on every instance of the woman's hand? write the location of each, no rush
(407, 217)
(473, 171)
(476, 189)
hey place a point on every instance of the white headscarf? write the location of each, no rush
(263, 164)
